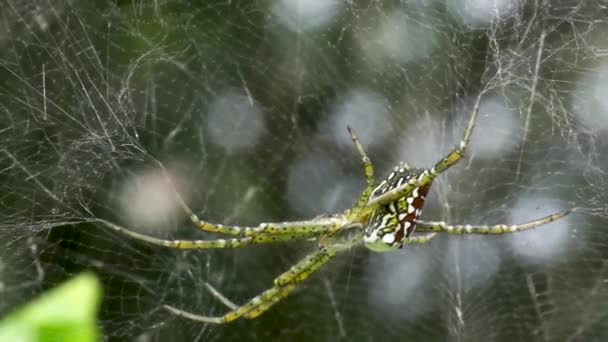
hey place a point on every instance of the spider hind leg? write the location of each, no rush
(284, 285)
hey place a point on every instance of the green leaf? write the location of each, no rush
(65, 313)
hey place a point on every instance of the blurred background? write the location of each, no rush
(246, 104)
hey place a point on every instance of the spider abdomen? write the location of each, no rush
(391, 224)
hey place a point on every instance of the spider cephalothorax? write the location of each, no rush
(383, 219)
(390, 224)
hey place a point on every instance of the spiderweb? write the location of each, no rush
(246, 104)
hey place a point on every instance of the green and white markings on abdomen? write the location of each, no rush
(391, 224)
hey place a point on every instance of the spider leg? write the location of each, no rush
(251, 309)
(368, 169)
(318, 225)
(314, 230)
(429, 175)
(420, 239)
(284, 284)
(442, 227)
(219, 296)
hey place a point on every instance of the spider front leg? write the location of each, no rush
(427, 176)
(368, 169)
(263, 233)
(317, 226)
(442, 227)
(303, 230)
(284, 285)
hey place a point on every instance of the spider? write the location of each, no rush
(383, 219)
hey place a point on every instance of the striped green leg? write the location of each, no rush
(311, 231)
(428, 176)
(319, 225)
(251, 309)
(420, 239)
(284, 285)
(368, 169)
(442, 227)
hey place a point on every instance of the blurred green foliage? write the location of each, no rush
(65, 313)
